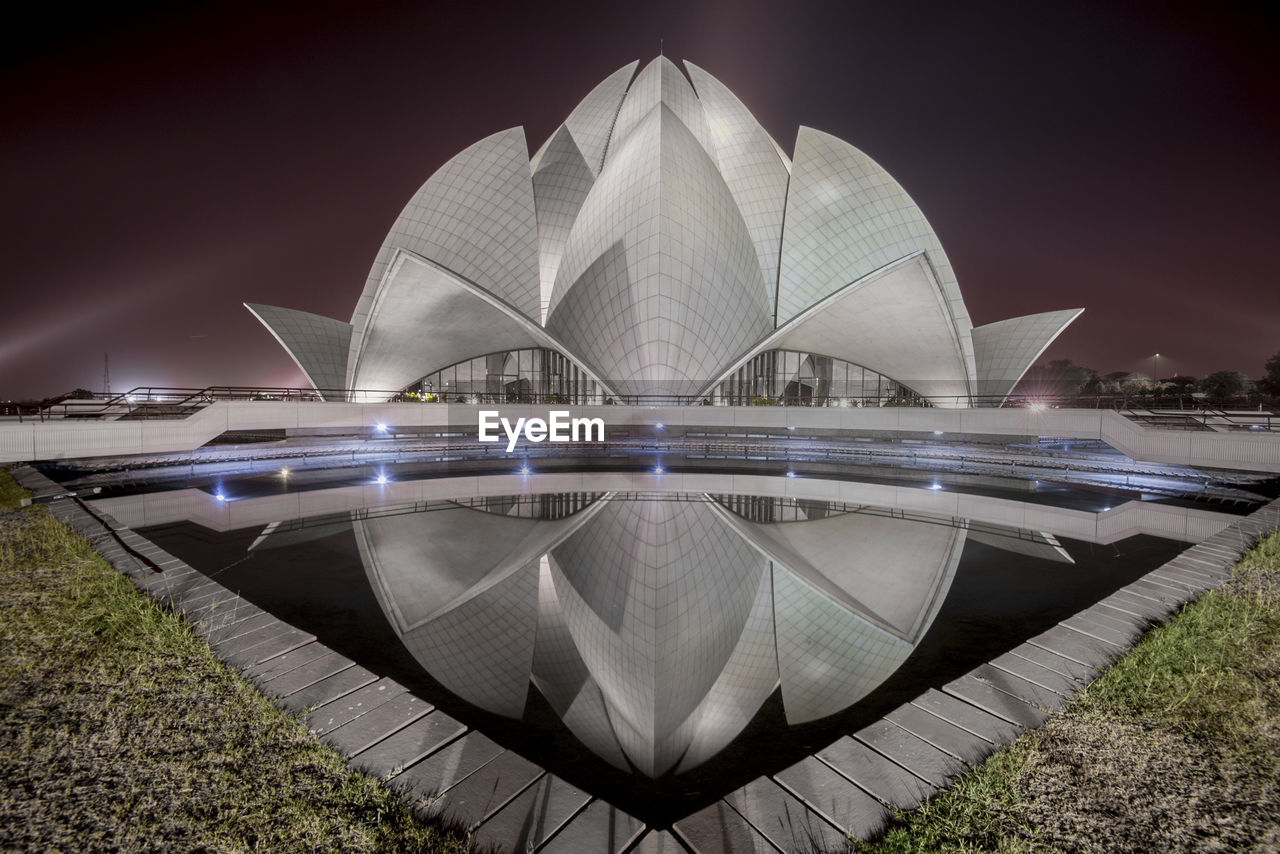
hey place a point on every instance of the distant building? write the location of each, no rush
(661, 244)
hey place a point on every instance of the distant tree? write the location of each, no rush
(1270, 382)
(1058, 378)
(1222, 386)
(1179, 383)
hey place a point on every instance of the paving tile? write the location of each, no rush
(1016, 686)
(327, 690)
(219, 624)
(967, 716)
(1117, 620)
(426, 780)
(947, 737)
(254, 621)
(998, 703)
(598, 829)
(833, 797)
(1194, 582)
(1123, 618)
(1081, 674)
(1155, 591)
(308, 674)
(1139, 606)
(406, 746)
(291, 660)
(1038, 674)
(486, 791)
(1111, 634)
(531, 817)
(376, 724)
(1078, 647)
(719, 829)
(350, 706)
(916, 755)
(877, 774)
(783, 819)
(268, 648)
(244, 641)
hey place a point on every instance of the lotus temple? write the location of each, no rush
(811, 558)
(660, 246)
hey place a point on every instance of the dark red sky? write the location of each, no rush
(158, 169)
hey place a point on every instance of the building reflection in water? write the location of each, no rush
(656, 625)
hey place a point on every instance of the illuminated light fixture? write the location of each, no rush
(380, 479)
(935, 486)
(657, 469)
(1037, 407)
(220, 497)
(791, 427)
(525, 469)
(658, 426)
(382, 428)
(284, 472)
(791, 474)
(937, 432)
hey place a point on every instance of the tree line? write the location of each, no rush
(1064, 378)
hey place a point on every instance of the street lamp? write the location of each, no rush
(1155, 367)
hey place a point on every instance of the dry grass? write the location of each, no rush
(120, 730)
(1176, 748)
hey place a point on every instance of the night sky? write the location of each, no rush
(160, 168)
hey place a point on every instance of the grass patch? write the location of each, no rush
(11, 494)
(978, 813)
(1176, 747)
(120, 729)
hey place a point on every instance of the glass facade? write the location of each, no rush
(792, 378)
(511, 376)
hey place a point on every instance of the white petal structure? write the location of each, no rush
(751, 164)
(656, 628)
(1006, 348)
(318, 344)
(660, 239)
(659, 280)
(474, 217)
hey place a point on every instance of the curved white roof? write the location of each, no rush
(660, 237)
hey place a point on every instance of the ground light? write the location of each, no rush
(381, 479)
(381, 428)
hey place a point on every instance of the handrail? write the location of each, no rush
(166, 402)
